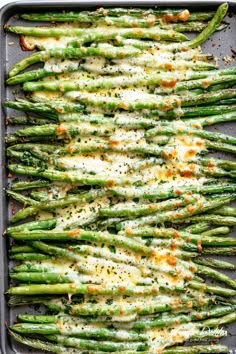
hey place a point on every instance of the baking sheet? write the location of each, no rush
(220, 44)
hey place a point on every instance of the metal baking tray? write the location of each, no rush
(220, 44)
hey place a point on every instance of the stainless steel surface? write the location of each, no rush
(220, 44)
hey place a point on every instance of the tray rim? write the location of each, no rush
(28, 6)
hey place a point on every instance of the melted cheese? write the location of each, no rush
(112, 266)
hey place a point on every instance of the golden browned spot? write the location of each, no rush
(176, 234)
(186, 198)
(167, 107)
(123, 105)
(178, 102)
(171, 154)
(121, 311)
(198, 315)
(169, 18)
(151, 206)
(110, 183)
(196, 125)
(169, 174)
(168, 66)
(92, 288)
(211, 164)
(177, 192)
(122, 288)
(192, 268)
(151, 19)
(70, 149)
(189, 153)
(171, 260)
(178, 337)
(61, 129)
(199, 245)
(128, 231)
(176, 303)
(173, 245)
(138, 32)
(66, 175)
(72, 286)
(190, 208)
(189, 304)
(200, 204)
(206, 82)
(155, 291)
(187, 174)
(183, 16)
(60, 324)
(199, 143)
(59, 109)
(168, 83)
(192, 166)
(114, 142)
(74, 233)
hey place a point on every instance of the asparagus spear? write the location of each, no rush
(216, 275)
(213, 219)
(24, 185)
(97, 345)
(71, 53)
(167, 15)
(197, 207)
(225, 210)
(211, 27)
(215, 263)
(197, 228)
(30, 256)
(83, 331)
(164, 193)
(45, 224)
(174, 130)
(85, 35)
(162, 321)
(53, 278)
(72, 288)
(151, 307)
(53, 204)
(152, 102)
(48, 109)
(167, 80)
(82, 235)
(197, 349)
(56, 348)
(71, 177)
(38, 344)
(136, 210)
(222, 230)
(26, 120)
(20, 249)
(166, 233)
